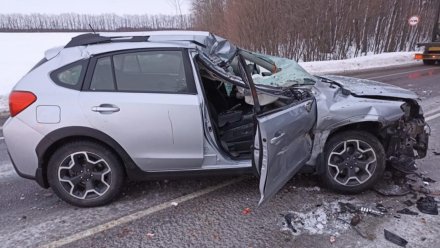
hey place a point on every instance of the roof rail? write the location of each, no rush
(90, 39)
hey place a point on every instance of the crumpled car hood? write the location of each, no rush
(365, 87)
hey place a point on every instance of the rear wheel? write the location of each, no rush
(428, 62)
(354, 161)
(85, 174)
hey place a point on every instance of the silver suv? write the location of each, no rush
(102, 109)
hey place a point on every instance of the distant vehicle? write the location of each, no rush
(174, 103)
(431, 53)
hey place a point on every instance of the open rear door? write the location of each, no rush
(283, 145)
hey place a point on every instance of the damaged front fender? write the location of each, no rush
(398, 123)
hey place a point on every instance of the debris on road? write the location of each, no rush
(371, 211)
(357, 230)
(407, 212)
(174, 204)
(150, 235)
(394, 238)
(387, 189)
(429, 180)
(288, 218)
(346, 206)
(427, 205)
(246, 211)
(408, 203)
(381, 208)
(356, 219)
(313, 222)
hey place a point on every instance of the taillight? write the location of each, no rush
(19, 101)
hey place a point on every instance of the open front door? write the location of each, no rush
(283, 145)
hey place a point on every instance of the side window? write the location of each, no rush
(102, 78)
(155, 71)
(70, 76)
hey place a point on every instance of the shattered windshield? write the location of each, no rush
(268, 71)
(282, 72)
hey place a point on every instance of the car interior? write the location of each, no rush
(231, 116)
(231, 107)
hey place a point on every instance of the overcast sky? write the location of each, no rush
(119, 7)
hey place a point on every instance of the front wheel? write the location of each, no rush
(85, 174)
(354, 161)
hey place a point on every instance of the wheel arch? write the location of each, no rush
(372, 127)
(48, 145)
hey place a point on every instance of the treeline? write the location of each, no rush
(318, 29)
(80, 22)
(299, 29)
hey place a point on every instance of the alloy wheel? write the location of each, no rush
(352, 162)
(84, 175)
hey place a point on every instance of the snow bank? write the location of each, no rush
(23, 50)
(375, 61)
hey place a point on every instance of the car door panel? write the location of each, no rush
(286, 145)
(159, 131)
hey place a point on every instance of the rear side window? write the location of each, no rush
(102, 78)
(70, 76)
(153, 71)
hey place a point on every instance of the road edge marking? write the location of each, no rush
(400, 73)
(137, 215)
(432, 117)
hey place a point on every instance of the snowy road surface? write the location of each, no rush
(210, 210)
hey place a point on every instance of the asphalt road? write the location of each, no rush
(210, 212)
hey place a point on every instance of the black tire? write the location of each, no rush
(98, 169)
(428, 62)
(358, 166)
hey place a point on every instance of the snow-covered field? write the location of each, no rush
(21, 51)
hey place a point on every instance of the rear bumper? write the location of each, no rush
(21, 141)
(427, 56)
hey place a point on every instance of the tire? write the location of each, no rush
(354, 162)
(428, 62)
(94, 179)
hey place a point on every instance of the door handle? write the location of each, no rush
(277, 138)
(106, 109)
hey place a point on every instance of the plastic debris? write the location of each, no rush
(356, 219)
(407, 211)
(346, 206)
(246, 211)
(394, 238)
(408, 203)
(427, 205)
(371, 211)
(150, 235)
(429, 180)
(174, 204)
(381, 208)
(288, 218)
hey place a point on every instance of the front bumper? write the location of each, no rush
(408, 141)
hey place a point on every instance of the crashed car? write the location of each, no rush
(105, 108)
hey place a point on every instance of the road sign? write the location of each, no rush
(413, 20)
